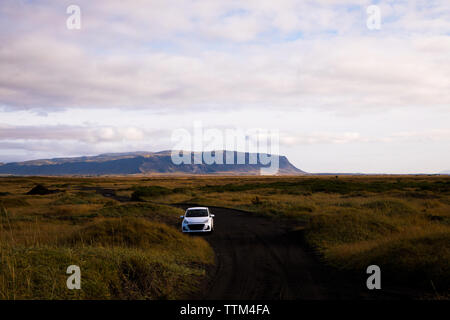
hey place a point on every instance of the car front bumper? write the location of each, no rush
(196, 227)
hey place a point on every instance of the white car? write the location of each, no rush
(197, 219)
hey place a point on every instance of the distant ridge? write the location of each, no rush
(136, 163)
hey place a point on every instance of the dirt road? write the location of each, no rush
(258, 258)
(262, 258)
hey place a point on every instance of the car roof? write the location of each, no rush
(194, 208)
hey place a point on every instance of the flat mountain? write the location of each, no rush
(141, 162)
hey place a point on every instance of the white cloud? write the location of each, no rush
(95, 134)
(354, 73)
(322, 138)
(225, 54)
(315, 138)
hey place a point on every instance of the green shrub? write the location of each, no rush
(421, 260)
(128, 232)
(150, 191)
(391, 207)
(156, 212)
(333, 229)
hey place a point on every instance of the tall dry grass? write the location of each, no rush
(125, 251)
(399, 222)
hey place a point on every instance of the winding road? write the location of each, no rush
(258, 258)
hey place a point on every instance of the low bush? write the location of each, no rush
(149, 191)
(128, 232)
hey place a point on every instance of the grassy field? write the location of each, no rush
(121, 231)
(125, 250)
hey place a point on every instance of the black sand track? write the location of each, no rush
(258, 258)
(262, 258)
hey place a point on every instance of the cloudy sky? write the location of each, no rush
(343, 97)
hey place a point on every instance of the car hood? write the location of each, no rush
(197, 220)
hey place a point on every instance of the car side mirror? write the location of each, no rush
(181, 217)
(212, 216)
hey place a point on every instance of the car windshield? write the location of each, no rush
(197, 213)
